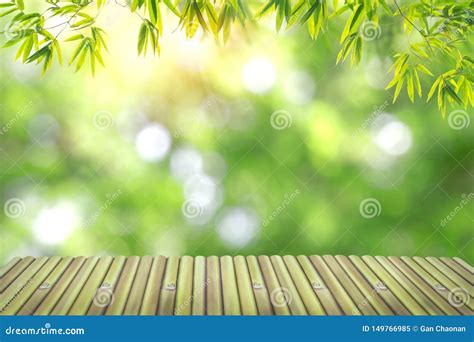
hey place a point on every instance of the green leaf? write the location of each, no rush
(410, 87)
(75, 37)
(433, 88)
(152, 10)
(353, 21)
(20, 4)
(265, 8)
(82, 55)
(417, 82)
(171, 7)
(423, 69)
(398, 89)
(39, 54)
(142, 37)
(311, 10)
(201, 20)
(78, 50)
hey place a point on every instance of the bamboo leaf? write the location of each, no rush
(410, 87)
(142, 37)
(38, 54)
(353, 21)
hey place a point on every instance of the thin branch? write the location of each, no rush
(413, 24)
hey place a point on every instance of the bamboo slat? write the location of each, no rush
(251, 285)
(278, 298)
(262, 297)
(345, 301)
(214, 289)
(200, 283)
(185, 287)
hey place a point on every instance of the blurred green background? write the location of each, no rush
(261, 146)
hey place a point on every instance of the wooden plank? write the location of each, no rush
(329, 303)
(363, 303)
(460, 281)
(434, 296)
(214, 290)
(124, 284)
(342, 297)
(137, 291)
(153, 287)
(8, 266)
(168, 288)
(91, 291)
(464, 264)
(384, 291)
(44, 289)
(60, 287)
(14, 272)
(307, 293)
(108, 287)
(468, 276)
(18, 294)
(388, 280)
(370, 293)
(184, 292)
(277, 296)
(247, 298)
(443, 279)
(230, 292)
(291, 295)
(262, 297)
(432, 282)
(73, 290)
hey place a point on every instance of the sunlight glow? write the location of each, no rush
(53, 225)
(185, 162)
(259, 75)
(153, 142)
(394, 137)
(299, 87)
(238, 226)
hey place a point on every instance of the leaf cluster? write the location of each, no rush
(438, 30)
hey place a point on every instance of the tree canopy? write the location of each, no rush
(438, 32)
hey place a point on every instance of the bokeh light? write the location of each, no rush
(153, 142)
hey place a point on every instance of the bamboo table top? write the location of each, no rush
(288, 285)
